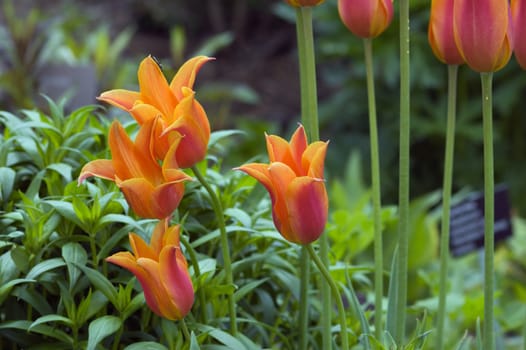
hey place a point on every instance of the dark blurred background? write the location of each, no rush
(77, 49)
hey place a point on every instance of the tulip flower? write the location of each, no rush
(151, 190)
(518, 13)
(366, 18)
(483, 33)
(162, 271)
(440, 32)
(299, 3)
(175, 103)
(294, 180)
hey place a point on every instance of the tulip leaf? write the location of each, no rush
(7, 181)
(44, 266)
(51, 318)
(101, 282)
(221, 336)
(147, 345)
(101, 328)
(6, 288)
(73, 253)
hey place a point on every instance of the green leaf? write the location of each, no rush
(221, 336)
(73, 253)
(241, 216)
(51, 318)
(101, 328)
(247, 288)
(42, 329)
(194, 344)
(7, 181)
(44, 266)
(6, 288)
(63, 169)
(101, 282)
(146, 345)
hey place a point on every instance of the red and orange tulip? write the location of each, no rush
(151, 190)
(440, 32)
(483, 33)
(294, 179)
(180, 112)
(518, 13)
(366, 18)
(162, 270)
(298, 3)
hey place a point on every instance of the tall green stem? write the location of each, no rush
(304, 298)
(335, 293)
(225, 250)
(489, 213)
(446, 202)
(403, 195)
(309, 118)
(375, 179)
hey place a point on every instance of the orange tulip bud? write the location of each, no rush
(151, 190)
(162, 271)
(176, 105)
(518, 13)
(440, 32)
(483, 33)
(294, 180)
(298, 3)
(366, 18)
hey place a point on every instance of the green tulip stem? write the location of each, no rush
(375, 179)
(186, 333)
(489, 213)
(218, 209)
(197, 273)
(309, 119)
(404, 162)
(446, 202)
(335, 294)
(304, 298)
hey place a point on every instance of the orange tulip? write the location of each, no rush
(440, 32)
(366, 18)
(174, 102)
(518, 12)
(162, 270)
(483, 33)
(298, 3)
(152, 190)
(294, 180)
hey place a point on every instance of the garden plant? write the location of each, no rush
(133, 223)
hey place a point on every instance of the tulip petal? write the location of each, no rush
(102, 168)
(190, 120)
(307, 205)
(154, 87)
(185, 76)
(171, 236)
(518, 11)
(129, 160)
(142, 112)
(123, 99)
(176, 280)
(281, 175)
(480, 28)
(313, 159)
(148, 283)
(440, 32)
(298, 145)
(259, 171)
(140, 248)
(161, 299)
(139, 194)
